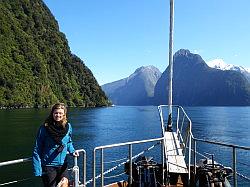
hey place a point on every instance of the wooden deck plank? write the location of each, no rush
(176, 162)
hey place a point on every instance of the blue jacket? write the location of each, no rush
(45, 153)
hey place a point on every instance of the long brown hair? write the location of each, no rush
(50, 118)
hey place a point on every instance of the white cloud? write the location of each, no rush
(197, 51)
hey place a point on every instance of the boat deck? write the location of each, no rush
(176, 161)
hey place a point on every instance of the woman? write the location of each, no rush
(52, 143)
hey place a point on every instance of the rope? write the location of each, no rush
(12, 182)
(113, 176)
(243, 176)
(115, 167)
(114, 161)
(177, 165)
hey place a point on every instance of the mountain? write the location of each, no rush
(220, 64)
(137, 89)
(197, 84)
(37, 66)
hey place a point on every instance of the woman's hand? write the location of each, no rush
(76, 153)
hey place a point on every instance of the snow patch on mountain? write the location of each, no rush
(220, 64)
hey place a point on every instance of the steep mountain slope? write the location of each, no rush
(137, 89)
(195, 83)
(220, 64)
(37, 66)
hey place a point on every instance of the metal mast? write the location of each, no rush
(170, 58)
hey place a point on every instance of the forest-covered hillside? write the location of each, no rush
(36, 64)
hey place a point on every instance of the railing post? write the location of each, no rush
(189, 158)
(194, 161)
(161, 118)
(163, 161)
(177, 120)
(194, 157)
(130, 165)
(94, 168)
(234, 167)
(76, 172)
(84, 167)
(102, 169)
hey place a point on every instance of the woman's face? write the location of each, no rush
(58, 114)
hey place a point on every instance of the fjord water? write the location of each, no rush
(102, 126)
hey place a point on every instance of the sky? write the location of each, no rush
(115, 37)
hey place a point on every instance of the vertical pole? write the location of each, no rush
(94, 168)
(102, 169)
(163, 162)
(84, 167)
(177, 123)
(140, 174)
(170, 58)
(194, 157)
(130, 165)
(189, 158)
(76, 172)
(234, 167)
(162, 121)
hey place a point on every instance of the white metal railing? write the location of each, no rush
(75, 169)
(130, 158)
(234, 156)
(182, 125)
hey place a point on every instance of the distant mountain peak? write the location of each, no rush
(222, 65)
(196, 84)
(147, 70)
(182, 52)
(143, 68)
(184, 58)
(137, 89)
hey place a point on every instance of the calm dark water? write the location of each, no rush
(102, 126)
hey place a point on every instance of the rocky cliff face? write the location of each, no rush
(195, 83)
